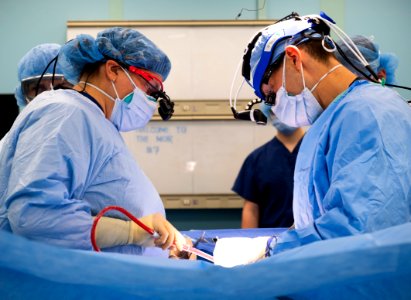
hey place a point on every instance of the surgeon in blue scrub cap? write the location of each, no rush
(29, 71)
(66, 160)
(353, 170)
(383, 64)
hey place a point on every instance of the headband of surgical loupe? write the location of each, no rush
(294, 30)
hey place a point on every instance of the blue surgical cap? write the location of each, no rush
(32, 64)
(258, 49)
(389, 62)
(269, 47)
(124, 45)
(371, 52)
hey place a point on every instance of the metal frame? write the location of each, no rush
(206, 201)
(73, 24)
(202, 110)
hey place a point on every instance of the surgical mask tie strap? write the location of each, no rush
(302, 74)
(114, 88)
(325, 75)
(98, 89)
(129, 77)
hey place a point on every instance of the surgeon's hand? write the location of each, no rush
(177, 254)
(170, 237)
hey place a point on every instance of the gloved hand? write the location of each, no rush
(112, 232)
(230, 252)
(170, 237)
(177, 254)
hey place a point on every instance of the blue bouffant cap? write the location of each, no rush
(124, 45)
(32, 64)
(389, 62)
(371, 52)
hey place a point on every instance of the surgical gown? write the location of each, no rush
(353, 171)
(62, 162)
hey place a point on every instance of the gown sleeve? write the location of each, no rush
(52, 164)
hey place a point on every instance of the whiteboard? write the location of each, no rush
(195, 157)
(204, 57)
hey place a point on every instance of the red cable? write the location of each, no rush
(122, 210)
(187, 248)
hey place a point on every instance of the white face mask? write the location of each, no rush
(298, 110)
(133, 111)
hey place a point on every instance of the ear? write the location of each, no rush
(294, 55)
(111, 69)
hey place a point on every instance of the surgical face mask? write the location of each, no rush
(132, 112)
(283, 128)
(298, 110)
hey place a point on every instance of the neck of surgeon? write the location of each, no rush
(332, 85)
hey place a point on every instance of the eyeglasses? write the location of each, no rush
(270, 99)
(155, 89)
(271, 68)
(43, 83)
(154, 84)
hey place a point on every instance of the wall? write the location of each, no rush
(26, 23)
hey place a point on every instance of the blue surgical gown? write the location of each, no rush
(2, 141)
(353, 171)
(62, 162)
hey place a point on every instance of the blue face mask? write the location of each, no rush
(296, 110)
(302, 109)
(283, 128)
(132, 112)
